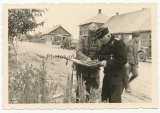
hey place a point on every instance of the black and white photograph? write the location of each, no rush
(80, 54)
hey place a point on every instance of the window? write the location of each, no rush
(144, 42)
(87, 28)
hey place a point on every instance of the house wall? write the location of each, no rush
(52, 37)
(60, 39)
(49, 38)
(143, 38)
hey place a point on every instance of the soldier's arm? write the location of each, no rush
(137, 51)
(80, 47)
(121, 58)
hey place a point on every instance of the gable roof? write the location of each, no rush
(99, 18)
(54, 28)
(130, 22)
(50, 30)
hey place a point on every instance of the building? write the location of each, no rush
(55, 35)
(123, 25)
(100, 19)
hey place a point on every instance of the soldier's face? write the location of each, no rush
(105, 39)
(136, 39)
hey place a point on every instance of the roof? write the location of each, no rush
(130, 22)
(54, 28)
(49, 30)
(99, 18)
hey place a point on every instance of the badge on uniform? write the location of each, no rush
(111, 56)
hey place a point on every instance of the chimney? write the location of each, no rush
(117, 13)
(99, 11)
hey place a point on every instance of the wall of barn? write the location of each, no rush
(143, 38)
(53, 39)
(49, 38)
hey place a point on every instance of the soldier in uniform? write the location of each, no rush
(132, 60)
(86, 49)
(63, 44)
(113, 57)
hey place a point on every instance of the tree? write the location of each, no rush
(38, 35)
(21, 21)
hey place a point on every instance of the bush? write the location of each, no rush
(29, 85)
(82, 95)
(29, 37)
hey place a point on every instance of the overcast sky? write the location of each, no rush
(70, 16)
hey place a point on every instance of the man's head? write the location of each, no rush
(103, 35)
(92, 28)
(135, 36)
(104, 40)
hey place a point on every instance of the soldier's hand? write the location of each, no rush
(86, 59)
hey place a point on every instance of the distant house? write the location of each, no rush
(123, 25)
(100, 19)
(39, 34)
(55, 35)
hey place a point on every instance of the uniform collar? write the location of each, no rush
(111, 41)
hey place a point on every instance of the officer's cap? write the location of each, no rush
(136, 34)
(93, 27)
(101, 32)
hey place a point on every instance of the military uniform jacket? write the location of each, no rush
(132, 52)
(84, 49)
(115, 54)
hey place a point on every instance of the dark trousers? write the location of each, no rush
(112, 88)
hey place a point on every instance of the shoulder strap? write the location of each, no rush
(117, 39)
(112, 42)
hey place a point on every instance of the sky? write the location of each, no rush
(70, 16)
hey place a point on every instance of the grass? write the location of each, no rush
(31, 85)
(76, 93)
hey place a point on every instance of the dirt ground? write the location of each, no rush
(33, 53)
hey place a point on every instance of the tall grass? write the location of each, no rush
(77, 93)
(29, 85)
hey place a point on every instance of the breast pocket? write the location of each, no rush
(86, 46)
